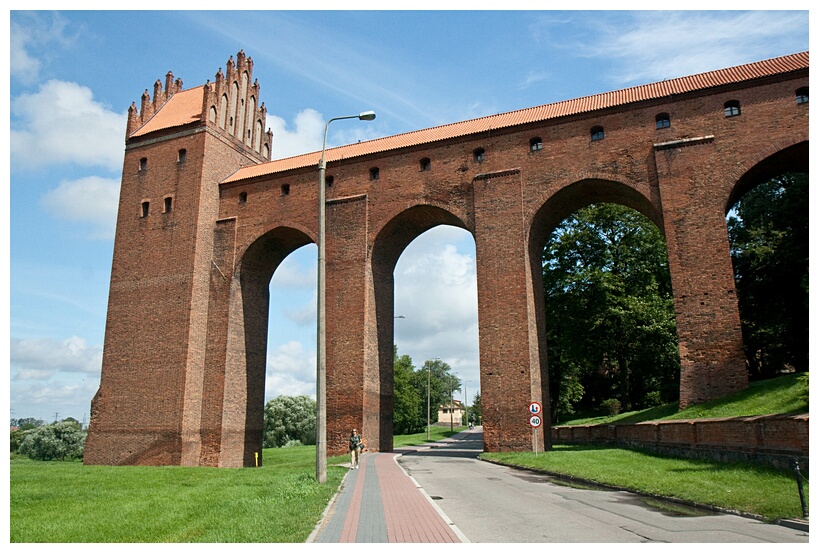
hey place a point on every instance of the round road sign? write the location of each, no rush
(535, 421)
(535, 408)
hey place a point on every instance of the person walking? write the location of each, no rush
(355, 449)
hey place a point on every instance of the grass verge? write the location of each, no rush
(744, 488)
(61, 502)
(786, 394)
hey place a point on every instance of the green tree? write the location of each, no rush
(410, 389)
(768, 229)
(611, 331)
(288, 420)
(61, 441)
(442, 383)
(475, 413)
(409, 414)
(27, 423)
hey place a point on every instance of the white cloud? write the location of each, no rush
(291, 371)
(306, 137)
(436, 292)
(45, 32)
(43, 358)
(23, 67)
(63, 124)
(651, 45)
(90, 200)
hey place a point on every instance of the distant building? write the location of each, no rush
(457, 411)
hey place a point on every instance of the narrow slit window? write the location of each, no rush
(143, 163)
(168, 204)
(242, 197)
(802, 95)
(732, 108)
(144, 209)
(329, 181)
(183, 156)
(285, 189)
(374, 173)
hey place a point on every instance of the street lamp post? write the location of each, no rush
(429, 372)
(321, 353)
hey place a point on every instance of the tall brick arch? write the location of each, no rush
(183, 365)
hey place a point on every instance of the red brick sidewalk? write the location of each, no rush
(380, 503)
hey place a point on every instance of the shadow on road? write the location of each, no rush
(468, 444)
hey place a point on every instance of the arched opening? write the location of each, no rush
(767, 221)
(608, 308)
(426, 296)
(436, 332)
(246, 366)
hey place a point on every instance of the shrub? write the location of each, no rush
(611, 406)
(61, 441)
(653, 399)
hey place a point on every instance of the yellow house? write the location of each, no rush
(451, 413)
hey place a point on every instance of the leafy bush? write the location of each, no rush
(61, 441)
(611, 406)
(288, 419)
(653, 399)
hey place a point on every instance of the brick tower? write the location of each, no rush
(179, 144)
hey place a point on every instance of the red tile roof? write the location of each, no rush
(756, 70)
(182, 108)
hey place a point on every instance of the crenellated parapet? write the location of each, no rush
(230, 106)
(149, 106)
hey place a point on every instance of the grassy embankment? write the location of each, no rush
(741, 487)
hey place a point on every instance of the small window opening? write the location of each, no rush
(802, 95)
(425, 164)
(662, 121)
(144, 212)
(168, 204)
(479, 155)
(183, 156)
(732, 108)
(535, 144)
(285, 189)
(597, 133)
(374, 173)
(143, 163)
(242, 197)
(329, 181)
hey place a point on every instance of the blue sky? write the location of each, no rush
(73, 75)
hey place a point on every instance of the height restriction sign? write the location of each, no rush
(535, 408)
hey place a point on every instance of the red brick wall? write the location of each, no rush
(183, 368)
(772, 439)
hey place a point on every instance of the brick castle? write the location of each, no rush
(205, 218)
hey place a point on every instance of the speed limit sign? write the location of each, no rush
(535, 421)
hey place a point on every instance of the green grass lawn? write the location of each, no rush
(741, 487)
(62, 502)
(72, 502)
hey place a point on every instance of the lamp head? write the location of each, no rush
(366, 115)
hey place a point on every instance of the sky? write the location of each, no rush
(73, 75)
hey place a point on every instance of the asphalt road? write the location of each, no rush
(492, 503)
